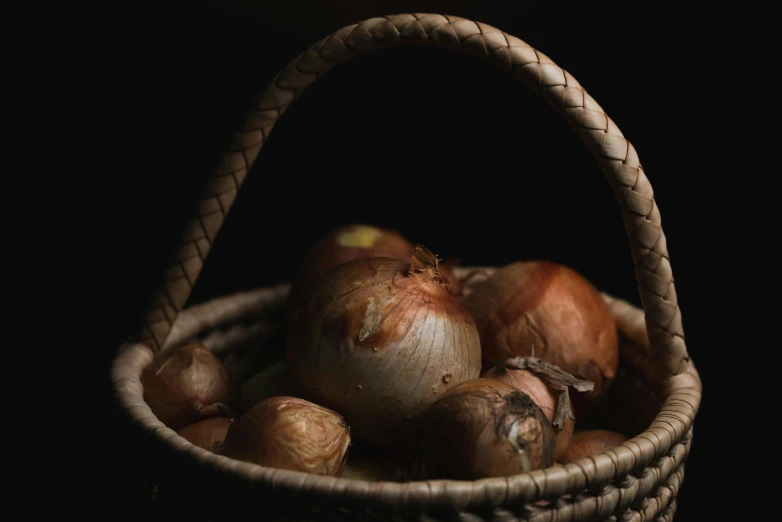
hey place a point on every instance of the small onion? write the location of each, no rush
(485, 428)
(272, 382)
(590, 443)
(344, 244)
(208, 433)
(187, 384)
(540, 393)
(553, 310)
(379, 341)
(290, 433)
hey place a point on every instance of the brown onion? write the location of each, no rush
(485, 428)
(290, 433)
(274, 381)
(208, 433)
(346, 243)
(187, 384)
(553, 310)
(540, 393)
(590, 443)
(379, 341)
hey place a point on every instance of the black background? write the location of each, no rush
(450, 150)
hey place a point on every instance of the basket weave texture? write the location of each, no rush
(638, 480)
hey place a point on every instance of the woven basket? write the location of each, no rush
(638, 480)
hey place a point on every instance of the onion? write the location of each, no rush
(187, 384)
(344, 244)
(271, 382)
(547, 385)
(290, 433)
(379, 341)
(590, 443)
(485, 428)
(552, 309)
(208, 433)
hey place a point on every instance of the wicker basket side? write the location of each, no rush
(661, 448)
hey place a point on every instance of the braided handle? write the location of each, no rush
(616, 156)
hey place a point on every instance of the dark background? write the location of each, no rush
(450, 150)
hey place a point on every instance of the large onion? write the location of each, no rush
(379, 340)
(208, 434)
(187, 384)
(549, 310)
(485, 428)
(290, 433)
(590, 443)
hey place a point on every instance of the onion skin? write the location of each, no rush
(346, 243)
(590, 443)
(208, 434)
(290, 433)
(554, 310)
(485, 428)
(379, 341)
(541, 394)
(187, 384)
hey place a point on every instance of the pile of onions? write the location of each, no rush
(553, 310)
(290, 433)
(188, 384)
(378, 341)
(433, 377)
(485, 428)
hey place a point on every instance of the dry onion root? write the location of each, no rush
(548, 386)
(379, 340)
(485, 428)
(188, 384)
(590, 443)
(208, 434)
(553, 308)
(290, 433)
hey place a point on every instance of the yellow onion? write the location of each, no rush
(187, 384)
(590, 443)
(208, 433)
(553, 310)
(290, 433)
(346, 243)
(379, 340)
(485, 428)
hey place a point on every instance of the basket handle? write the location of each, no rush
(616, 156)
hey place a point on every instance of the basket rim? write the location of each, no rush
(681, 392)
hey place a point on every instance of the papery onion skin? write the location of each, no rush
(590, 443)
(551, 309)
(290, 433)
(346, 243)
(187, 384)
(485, 428)
(379, 344)
(208, 434)
(541, 394)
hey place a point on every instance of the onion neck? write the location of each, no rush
(425, 263)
